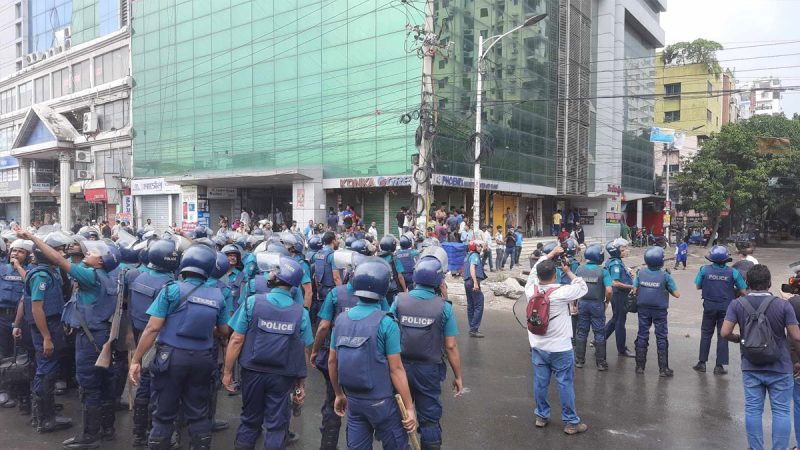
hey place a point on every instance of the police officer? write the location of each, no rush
(473, 275)
(428, 328)
(652, 288)
(234, 277)
(407, 256)
(719, 285)
(365, 366)
(270, 333)
(324, 275)
(264, 280)
(143, 286)
(388, 245)
(185, 316)
(43, 303)
(621, 286)
(12, 286)
(295, 247)
(591, 307)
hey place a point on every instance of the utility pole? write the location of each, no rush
(668, 203)
(422, 167)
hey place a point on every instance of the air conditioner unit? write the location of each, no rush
(61, 36)
(58, 49)
(89, 122)
(67, 44)
(83, 156)
(51, 52)
(42, 56)
(81, 174)
(31, 58)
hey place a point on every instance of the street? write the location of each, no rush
(623, 410)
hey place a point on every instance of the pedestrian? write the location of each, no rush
(592, 307)
(400, 218)
(682, 253)
(767, 370)
(309, 229)
(184, 319)
(271, 333)
(551, 353)
(511, 247)
(372, 230)
(719, 284)
(621, 283)
(529, 222)
(428, 329)
(105, 230)
(746, 260)
(244, 217)
(500, 245)
(556, 227)
(473, 275)
(452, 227)
(333, 219)
(518, 247)
(149, 226)
(508, 219)
(441, 230)
(491, 246)
(652, 288)
(580, 235)
(366, 372)
(348, 218)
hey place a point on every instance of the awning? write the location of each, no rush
(95, 191)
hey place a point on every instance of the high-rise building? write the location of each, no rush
(761, 97)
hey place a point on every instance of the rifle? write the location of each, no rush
(104, 359)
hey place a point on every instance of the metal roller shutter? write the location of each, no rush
(176, 209)
(156, 208)
(220, 207)
(373, 210)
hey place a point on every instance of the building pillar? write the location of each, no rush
(307, 197)
(388, 225)
(639, 207)
(25, 193)
(65, 169)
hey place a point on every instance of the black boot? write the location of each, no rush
(600, 356)
(580, 353)
(107, 421)
(641, 359)
(663, 364)
(48, 420)
(330, 436)
(89, 438)
(36, 411)
(140, 422)
(200, 442)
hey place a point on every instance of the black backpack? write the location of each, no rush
(743, 266)
(758, 342)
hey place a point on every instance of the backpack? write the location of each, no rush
(538, 311)
(743, 266)
(758, 343)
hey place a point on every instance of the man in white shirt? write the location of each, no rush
(551, 353)
(372, 230)
(245, 217)
(492, 246)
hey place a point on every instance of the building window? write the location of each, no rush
(109, 16)
(709, 115)
(18, 30)
(114, 115)
(6, 138)
(25, 94)
(61, 83)
(484, 12)
(672, 89)
(672, 116)
(44, 18)
(8, 100)
(710, 87)
(41, 89)
(80, 76)
(442, 64)
(111, 66)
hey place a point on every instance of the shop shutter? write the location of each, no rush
(176, 210)
(373, 210)
(217, 207)
(155, 208)
(397, 199)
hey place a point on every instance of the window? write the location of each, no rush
(18, 30)
(41, 89)
(80, 76)
(442, 64)
(25, 94)
(484, 12)
(109, 16)
(709, 115)
(6, 138)
(710, 87)
(672, 116)
(8, 100)
(44, 18)
(111, 66)
(113, 115)
(61, 83)
(672, 89)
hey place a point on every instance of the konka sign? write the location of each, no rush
(368, 182)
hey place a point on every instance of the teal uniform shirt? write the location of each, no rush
(474, 259)
(240, 322)
(328, 308)
(87, 282)
(249, 289)
(168, 301)
(227, 294)
(671, 285)
(388, 330)
(738, 280)
(398, 266)
(306, 269)
(449, 324)
(614, 268)
(39, 283)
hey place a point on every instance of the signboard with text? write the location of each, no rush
(665, 135)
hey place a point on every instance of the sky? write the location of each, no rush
(769, 27)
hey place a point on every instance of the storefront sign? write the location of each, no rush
(615, 189)
(97, 195)
(220, 193)
(127, 205)
(448, 180)
(9, 188)
(613, 218)
(367, 182)
(8, 162)
(153, 186)
(40, 187)
(665, 135)
(189, 207)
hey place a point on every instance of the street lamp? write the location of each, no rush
(476, 204)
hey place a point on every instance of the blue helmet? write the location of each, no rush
(290, 272)
(128, 254)
(371, 279)
(428, 272)
(571, 247)
(349, 240)
(162, 255)
(654, 257)
(144, 256)
(360, 246)
(594, 254)
(405, 242)
(109, 258)
(315, 243)
(222, 265)
(140, 232)
(231, 248)
(199, 259)
(719, 254)
(614, 248)
(200, 232)
(291, 242)
(549, 247)
(388, 244)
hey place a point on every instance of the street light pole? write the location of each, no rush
(476, 201)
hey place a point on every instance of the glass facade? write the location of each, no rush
(637, 150)
(246, 85)
(92, 19)
(519, 86)
(44, 18)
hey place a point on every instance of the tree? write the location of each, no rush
(729, 168)
(699, 51)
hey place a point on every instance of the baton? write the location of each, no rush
(412, 435)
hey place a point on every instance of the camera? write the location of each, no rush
(793, 286)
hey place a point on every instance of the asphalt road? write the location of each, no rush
(623, 410)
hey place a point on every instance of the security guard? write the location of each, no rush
(407, 256)
(234, 277)
(324, 275)
(622, 283)
(473, 275)
(270, 333)
(388, 245)
(12, 286)
(592, 307)
(185, 316)
(264, 279)
(43, 304)
(88, 313)
(428, 328)
(295, 247)
(365, 350)
(143, 286)
(719, 285)
(652, 288)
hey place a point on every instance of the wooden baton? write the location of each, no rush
(412, 435)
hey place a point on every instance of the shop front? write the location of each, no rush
(157, 200)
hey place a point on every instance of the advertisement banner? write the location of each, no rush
(666, 135)
(189, 207)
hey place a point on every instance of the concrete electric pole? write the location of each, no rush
(422, 166)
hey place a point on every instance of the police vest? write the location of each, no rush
(363, 371)
(594, 281)
(258, 285)
(191, 325)
(624, 275)
(393, 281)
(11, 286)
(406, 258)
(53, 298)
(273, 343)
(144, 288)
(97, 315)
(479, 272)
(323, 271)
(652, 291)
(421, 328)
(717, 285)
(345, 300)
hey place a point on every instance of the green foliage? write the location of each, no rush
(699, 51)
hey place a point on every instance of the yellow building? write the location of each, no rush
(688, 98)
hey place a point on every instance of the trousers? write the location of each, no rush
(425, 383)
(591, 313)
(96, 383)
(474, 306)
(367, 419)
(712, 319)
(657, 318)
(617, 322)
(265, 402)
